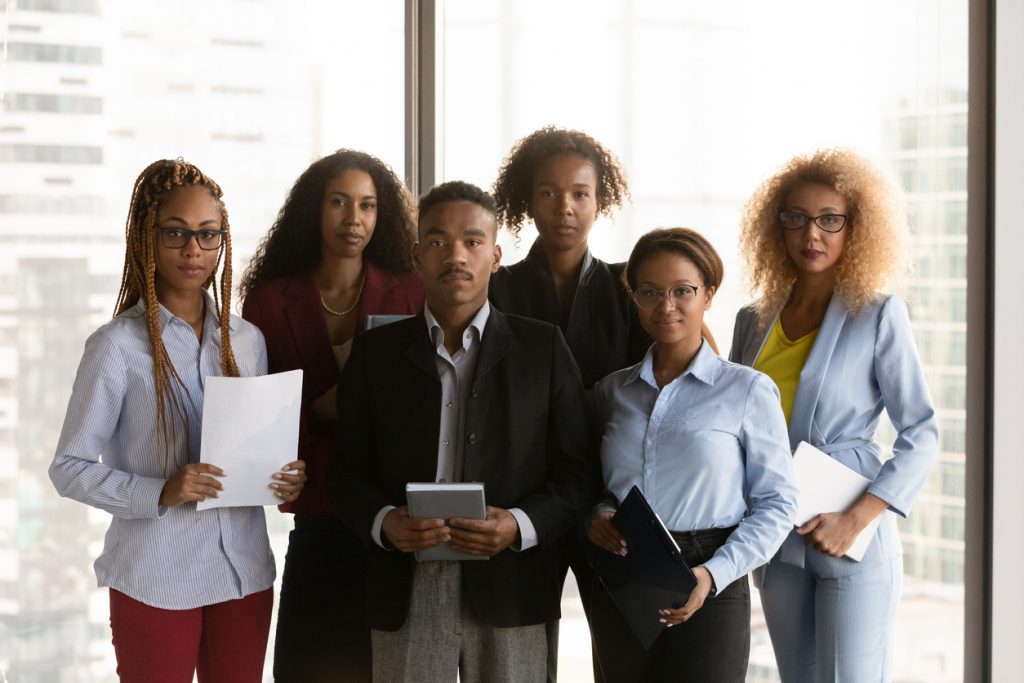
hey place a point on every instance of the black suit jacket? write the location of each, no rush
(527, 438)
(602, 328)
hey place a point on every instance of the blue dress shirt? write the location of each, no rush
(110, 456)
(709, 450)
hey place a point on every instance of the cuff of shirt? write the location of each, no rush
(721, 575)
(378, 521)
(527, 533)
(145, 497)
(599, 508)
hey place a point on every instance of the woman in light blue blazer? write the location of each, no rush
(821, 238)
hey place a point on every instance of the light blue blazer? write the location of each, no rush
(859, 365)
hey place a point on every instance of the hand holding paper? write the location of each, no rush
(288, 483)
(194, 482)
(828, 486)
(251, 429)
(836, 533)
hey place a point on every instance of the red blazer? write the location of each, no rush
(290, 314)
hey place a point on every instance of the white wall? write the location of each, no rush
(1007, 307)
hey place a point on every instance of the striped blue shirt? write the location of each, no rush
(709, 450)
(110, 456)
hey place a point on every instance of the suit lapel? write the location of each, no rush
(495, 344)
(421, 352)
(812, 377)
(306, 324)
(755, 341)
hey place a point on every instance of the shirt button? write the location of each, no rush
(649, 472)
(473, 393)
(471, 439)
(444, 443)
(650, 442)
(448, 404)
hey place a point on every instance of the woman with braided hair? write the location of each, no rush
(340, 250)
(190, 592)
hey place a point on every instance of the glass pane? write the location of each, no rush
(250, 91)
(703, 100)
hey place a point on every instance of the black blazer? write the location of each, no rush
(602, 328)
(527, 438)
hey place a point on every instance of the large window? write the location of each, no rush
(703, 100)
(700, 101)
(249, 91)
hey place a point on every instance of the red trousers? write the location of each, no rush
(221, 643)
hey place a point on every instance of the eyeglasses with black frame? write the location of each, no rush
(829, 222)
(649, 297)
(177, 238)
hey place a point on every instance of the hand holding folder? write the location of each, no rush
(827, 485)
(651, 576)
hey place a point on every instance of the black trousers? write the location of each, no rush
(714, 645)
(321, 623)
(573, 555)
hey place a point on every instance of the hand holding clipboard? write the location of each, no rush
(650, 575)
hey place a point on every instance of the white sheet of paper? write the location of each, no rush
(250, 430)
(827, 485)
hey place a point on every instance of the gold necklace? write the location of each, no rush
(350, 308)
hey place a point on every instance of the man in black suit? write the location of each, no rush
(462, 393)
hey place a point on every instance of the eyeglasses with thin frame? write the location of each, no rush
(178, 238)
(829, 222)
(650, 298)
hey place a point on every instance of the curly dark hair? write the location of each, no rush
(293, 243)
(514, 186)
(455, 191)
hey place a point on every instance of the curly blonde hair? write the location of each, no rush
(876, 242)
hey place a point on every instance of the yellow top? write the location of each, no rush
(782, 360)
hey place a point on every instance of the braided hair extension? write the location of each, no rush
(138, 281)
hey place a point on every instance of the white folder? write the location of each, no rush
(827, 485)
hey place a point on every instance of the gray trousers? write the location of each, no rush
(441, 638)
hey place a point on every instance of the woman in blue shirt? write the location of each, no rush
(190, 592)
(705, 441)
(821, 237)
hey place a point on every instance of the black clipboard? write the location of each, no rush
(652, 576)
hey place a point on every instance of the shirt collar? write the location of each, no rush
(210, 319)
(478, 323)
(703, 367)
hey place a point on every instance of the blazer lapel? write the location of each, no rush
(420, 352)
(308, 328)
(812, 377)
(495, 344)
(755, 341)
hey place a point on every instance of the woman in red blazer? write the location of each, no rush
(340, 250)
